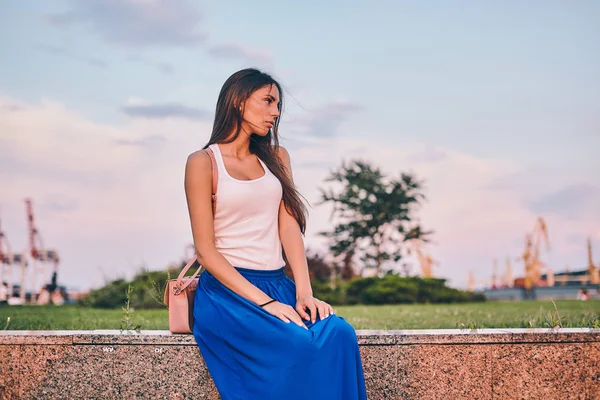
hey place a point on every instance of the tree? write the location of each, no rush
(347, 271)
(319, 270)
(374, 213)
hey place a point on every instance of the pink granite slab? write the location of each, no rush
(445, 372)
(67, 372)
(365, 337)
(10, 357)
(37, 337)
(381, 369)
(133, 338)
(479, 336)
(398, 364)
(165, 371)
(560, 371)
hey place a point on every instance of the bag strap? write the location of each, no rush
(179, 287)
(215, 178)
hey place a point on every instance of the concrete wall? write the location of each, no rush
(421, 364)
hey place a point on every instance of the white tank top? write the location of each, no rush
(246, 218)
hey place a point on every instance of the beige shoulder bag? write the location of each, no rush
(179, 293)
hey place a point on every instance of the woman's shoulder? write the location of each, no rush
(199, 160)
(283, 154)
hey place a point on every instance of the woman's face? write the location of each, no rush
(260, 110)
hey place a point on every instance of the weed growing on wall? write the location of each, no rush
(553, 321)
(156, 291)
(127, 311)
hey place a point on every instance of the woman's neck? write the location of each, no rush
(239, 148)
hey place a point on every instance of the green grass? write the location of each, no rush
(536, 314)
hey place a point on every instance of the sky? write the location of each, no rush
(494, 105)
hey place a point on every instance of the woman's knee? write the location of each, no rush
(342, 328)
(300, 339)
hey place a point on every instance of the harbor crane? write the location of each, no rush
(7, 260)
(38, 252)
(593, 270)
(425, 260)
(531, 256)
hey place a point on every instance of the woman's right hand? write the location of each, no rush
(285, 313)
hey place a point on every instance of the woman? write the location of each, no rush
(262, 335)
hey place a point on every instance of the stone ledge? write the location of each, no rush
(399, 364)
(365, 337)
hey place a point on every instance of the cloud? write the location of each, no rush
(473, 222)
(11, 107)
(577, 239)
(429, 154)
(63, 52)
(58, 204)
(166, 110)
(135, 22)
(313, 165)
(105, 196)
(116, 192)
(143, 142)
(577, 201)
(325, 121)
(162, 67)
(236, 51)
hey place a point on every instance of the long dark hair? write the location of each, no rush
(236, 90)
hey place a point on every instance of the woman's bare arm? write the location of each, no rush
(198, 188)
(291, 239)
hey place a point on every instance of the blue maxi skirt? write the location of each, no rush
(253, 355)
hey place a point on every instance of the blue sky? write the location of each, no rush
(496, 106)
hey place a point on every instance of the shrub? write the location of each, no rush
(328, 294)
(395, 289)
(391, 289)
(147, 290)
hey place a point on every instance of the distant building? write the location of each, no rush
(566, 286)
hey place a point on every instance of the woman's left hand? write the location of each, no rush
(313, 304)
